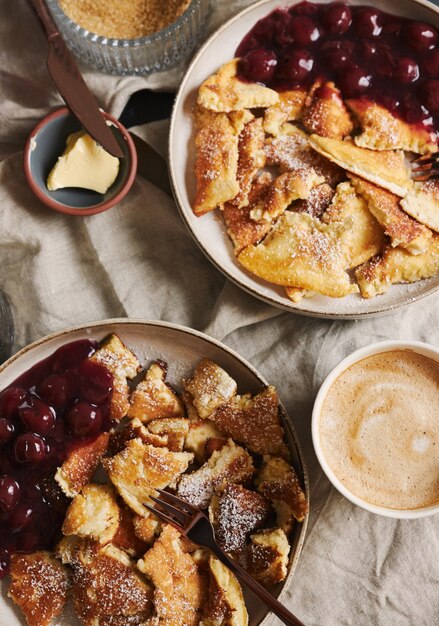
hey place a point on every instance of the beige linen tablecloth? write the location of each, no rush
(138, 260)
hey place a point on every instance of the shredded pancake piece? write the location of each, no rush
(324, 112)
(278, 482)
(140, 469)
(400, 227)
(123, 365)
(383, 131)
(242, 228)
(78, 469)
(106, 587)
(364, 237)
(253, 421)
(422, 203)
(396, 265)
(302, 252)
(251, 158)
(178, 586)
(235, 514)
(266, 558)
(230, 464)
(320, 197)
(291, 150)
(39, 586)
(287, 109)
(386, 169)
(225, 604)
(284, 190)
(209, 387)
(153, 397)
(224, 91)
(94, 514)
(216, 166)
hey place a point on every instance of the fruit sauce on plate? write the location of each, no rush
(57, 405)
(388, 59)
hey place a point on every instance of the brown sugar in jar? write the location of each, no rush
(123, 20)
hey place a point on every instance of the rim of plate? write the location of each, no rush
(378, 310)
(106, 325)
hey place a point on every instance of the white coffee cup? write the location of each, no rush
(423, 349)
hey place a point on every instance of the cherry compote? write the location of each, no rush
(54, 407)
(367, 52)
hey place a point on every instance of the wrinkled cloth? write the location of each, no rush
(138, 260)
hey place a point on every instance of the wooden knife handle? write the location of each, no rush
(43, 14)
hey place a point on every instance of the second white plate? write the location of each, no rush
(209, 231)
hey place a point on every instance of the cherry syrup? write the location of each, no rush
(366, 52)
(57, 405)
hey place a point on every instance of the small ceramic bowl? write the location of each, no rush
(47, 142)
(417, 347)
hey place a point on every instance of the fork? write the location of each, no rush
(427, 167)
(196, 526)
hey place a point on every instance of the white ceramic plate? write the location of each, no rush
(181, 348)
(209, 231)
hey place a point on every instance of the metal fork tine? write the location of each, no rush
(425, 167)
(426, 157)
(164, 517)
(181, 516)
(189, 508)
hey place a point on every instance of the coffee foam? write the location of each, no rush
(379, 429)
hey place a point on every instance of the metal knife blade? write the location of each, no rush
(66, 75)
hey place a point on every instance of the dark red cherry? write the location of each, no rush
(71, 355)
(368, 50)
(430, 64)
(414, 113)
(10, 400)
(420, 36)
(57, 390)
(368, 22)
(259, 66)
(265, 30)
(85, 419)
(304, 30)
(406, 70)
(4, 563)
(391, 103)
(337, 18)
(37, 416)
(392, 26)
(429, 93)
(7, 430)
(21, 516)
(96, 381)
(30, 448)
(9, 493)
(384, 62)
(296, 65)
(305, 8)
(29, 540)
(340, 59)
(354, 82)
(338, 54)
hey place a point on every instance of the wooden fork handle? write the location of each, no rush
(278, 609)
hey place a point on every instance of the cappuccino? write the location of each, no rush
(379, 429)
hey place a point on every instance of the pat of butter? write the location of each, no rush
(84, 164)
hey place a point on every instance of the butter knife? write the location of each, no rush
(70, 84)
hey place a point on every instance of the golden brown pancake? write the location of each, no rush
(386, 169)
(224, 91)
